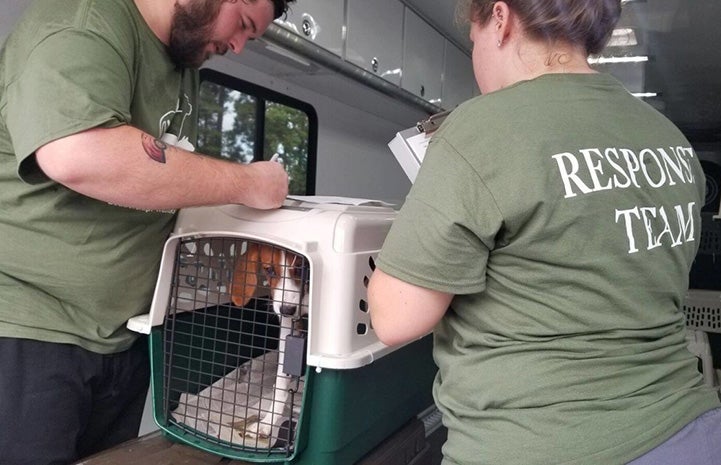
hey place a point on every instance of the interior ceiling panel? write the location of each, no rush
(683, 42)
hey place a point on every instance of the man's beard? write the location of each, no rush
(190, 31)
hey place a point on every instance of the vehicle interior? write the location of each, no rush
(665, 52)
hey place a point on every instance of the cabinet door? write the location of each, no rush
(374, 39)
(423, 49)
(458, 79)
(320, 21)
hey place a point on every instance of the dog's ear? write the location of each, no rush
(299, 269)
(245, 276)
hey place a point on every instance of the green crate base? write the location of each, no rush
(344, 414)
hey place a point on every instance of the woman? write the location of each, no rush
(547, 242)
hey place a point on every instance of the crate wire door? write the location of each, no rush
(221, 360)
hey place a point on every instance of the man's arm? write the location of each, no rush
(402, 312)
(125, 166)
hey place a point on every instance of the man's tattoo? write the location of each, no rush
(155, 148)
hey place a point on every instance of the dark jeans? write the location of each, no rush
(60, 403)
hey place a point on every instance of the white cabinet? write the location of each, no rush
(374, 37)
(423, 51)
(392, 41)
(320, 21)
(458, 79)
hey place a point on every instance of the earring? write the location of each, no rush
(498, 15)
(500, 42)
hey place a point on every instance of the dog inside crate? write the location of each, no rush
(234, 342)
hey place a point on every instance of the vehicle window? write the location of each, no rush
(243, 122)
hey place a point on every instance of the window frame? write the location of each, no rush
(262, 95)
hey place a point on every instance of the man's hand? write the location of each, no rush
(270, 183)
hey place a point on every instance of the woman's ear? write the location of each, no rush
(501, 19)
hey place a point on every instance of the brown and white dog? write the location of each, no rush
(286, 275)
(284, 272)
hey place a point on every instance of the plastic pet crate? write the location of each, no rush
(702, 309)
(706, 267)
(261, 343)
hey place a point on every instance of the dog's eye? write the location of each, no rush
(270, 271)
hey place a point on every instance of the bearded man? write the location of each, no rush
(97, 127)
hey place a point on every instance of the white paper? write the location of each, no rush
(419, 144)
(339, 200)
(409, 148)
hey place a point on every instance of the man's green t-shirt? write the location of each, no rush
(74, 269)
(563, 213)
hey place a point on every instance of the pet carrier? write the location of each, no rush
(702, 309)
(261, 343)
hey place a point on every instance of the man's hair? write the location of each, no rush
(280, 7)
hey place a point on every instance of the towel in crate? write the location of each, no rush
(261, 343)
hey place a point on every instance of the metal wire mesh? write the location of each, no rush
(226, 339)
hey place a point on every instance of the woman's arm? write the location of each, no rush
(402, 312)
(125, 166)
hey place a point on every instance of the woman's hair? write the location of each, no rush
(588, 23)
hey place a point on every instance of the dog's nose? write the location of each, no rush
(288, 310)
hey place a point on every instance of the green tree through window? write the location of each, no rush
(244, 123)
(286, 133)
